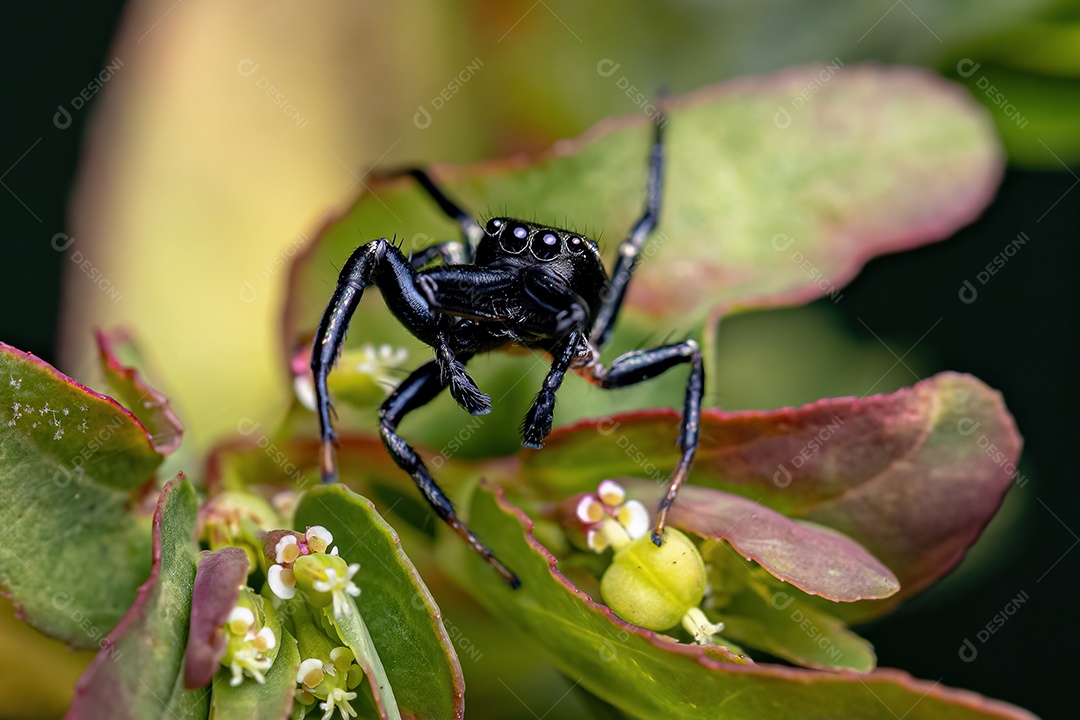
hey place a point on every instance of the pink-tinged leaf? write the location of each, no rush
(646, 676)
(127, 385)
(816, 560)
(137, 673)
(913, 476)
(757, 211)
(218, 580)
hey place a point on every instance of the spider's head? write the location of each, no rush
(533, 243)
(569, 256)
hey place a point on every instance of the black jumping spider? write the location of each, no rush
(510, 282)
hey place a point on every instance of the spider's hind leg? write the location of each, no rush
(470, 229)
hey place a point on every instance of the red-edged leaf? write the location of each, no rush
(647, 676)
(137, 673)
(76, 468)
(127, 385)
(913, 476)
(816, 560)
(218, 580)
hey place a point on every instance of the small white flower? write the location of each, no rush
(338, 588)
(338, 699)
(240, 620)
(310, 673)
(698, 625)
(610, 519)
(252, 662)
(611, 493)
(264, 640)
(596, 539)
(589, 510)
(634, 518)
(287, 549)
(282, 581)
(318, 538)
(304, 387)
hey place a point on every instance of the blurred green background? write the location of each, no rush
(197, 178)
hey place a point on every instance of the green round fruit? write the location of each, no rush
(654, 586)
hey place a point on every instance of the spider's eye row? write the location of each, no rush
(515, 239)
(494, 225)
(545, 246)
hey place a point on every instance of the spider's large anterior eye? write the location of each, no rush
(576, 245)
(494, 225)
(515, 238)
(545, 245)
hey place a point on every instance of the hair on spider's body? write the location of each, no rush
(509, 283)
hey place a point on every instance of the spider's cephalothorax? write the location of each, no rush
(511, 282)
(529, 251)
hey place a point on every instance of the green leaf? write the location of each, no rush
(783, 624)
(72, 466)
(648, 677)
(777, 189)
(354, 633)
(137, 674)
(249, 699)
(397, 608)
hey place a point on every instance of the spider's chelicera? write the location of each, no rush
(508, 283)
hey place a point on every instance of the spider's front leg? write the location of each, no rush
(377, 262)
(419, 389)
(561, 314)
(382, 264)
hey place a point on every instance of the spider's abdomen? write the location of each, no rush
(572, 257)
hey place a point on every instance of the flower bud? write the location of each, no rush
(655, 586)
